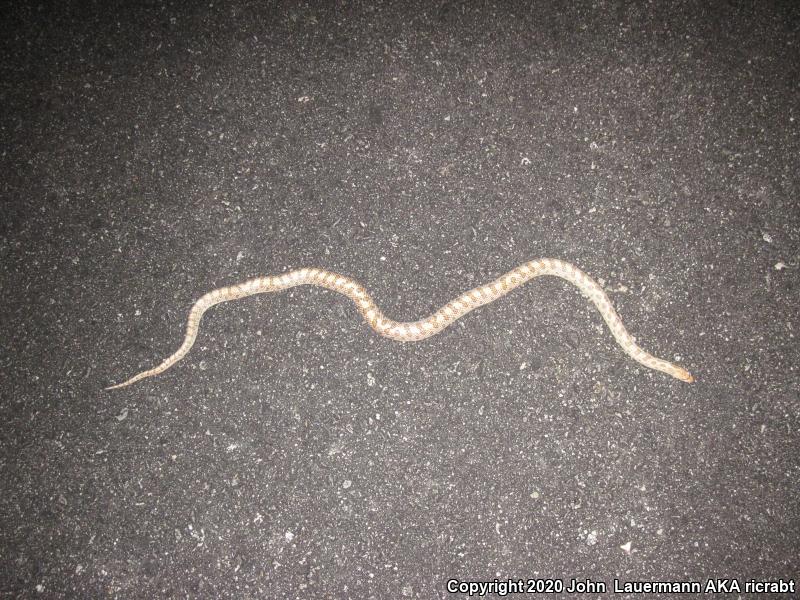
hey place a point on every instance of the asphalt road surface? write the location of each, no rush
(154, 151)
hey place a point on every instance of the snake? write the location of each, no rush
(425, 328)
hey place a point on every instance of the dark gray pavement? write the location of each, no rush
(154, 151)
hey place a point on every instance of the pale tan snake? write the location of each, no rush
(419, 330)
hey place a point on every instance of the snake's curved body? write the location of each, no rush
(419, 330)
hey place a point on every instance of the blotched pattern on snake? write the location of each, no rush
(419, 330)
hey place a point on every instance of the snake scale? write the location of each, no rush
(418, 330)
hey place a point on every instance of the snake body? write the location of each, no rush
(418, 330)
